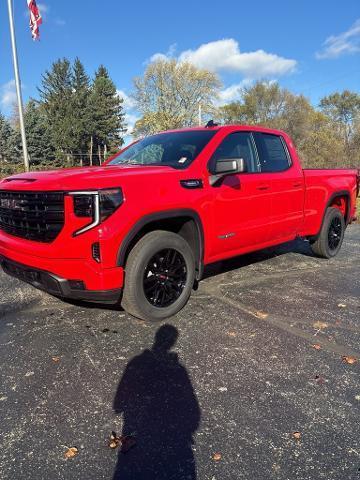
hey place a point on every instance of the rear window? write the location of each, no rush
(272, 153)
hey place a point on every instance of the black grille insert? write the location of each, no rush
(35, 216)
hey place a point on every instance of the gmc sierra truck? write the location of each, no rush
(140, 228)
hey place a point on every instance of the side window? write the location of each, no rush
(237, 145)
(272, 154)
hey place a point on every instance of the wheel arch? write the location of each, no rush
(335, 201)
(185, 222)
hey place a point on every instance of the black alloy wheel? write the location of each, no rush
(159, 276)
(165, 278)
(328, 242)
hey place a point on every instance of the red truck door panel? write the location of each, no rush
(286, 185)
(241, 203)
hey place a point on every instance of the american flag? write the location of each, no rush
(35, 19)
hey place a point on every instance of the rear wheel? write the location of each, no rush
(331, 236)
(159, 276)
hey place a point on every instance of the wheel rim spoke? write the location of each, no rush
(334, 233)
(165, 278)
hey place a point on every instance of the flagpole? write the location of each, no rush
(18, 86)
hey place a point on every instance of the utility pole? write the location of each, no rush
(200, 115)
(18, 86)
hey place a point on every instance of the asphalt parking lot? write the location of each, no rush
(255, 379)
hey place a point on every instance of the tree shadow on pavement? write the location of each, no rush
(161, 411)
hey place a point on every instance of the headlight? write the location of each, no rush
(97, 205)
(110, 201)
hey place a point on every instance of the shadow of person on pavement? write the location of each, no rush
(161, 411)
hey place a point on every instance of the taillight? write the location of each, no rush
(97, 205)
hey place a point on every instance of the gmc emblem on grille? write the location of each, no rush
(12, 203)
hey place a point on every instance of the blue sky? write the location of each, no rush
(309, 46)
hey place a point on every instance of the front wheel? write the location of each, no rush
(331, 236)
(159, 276)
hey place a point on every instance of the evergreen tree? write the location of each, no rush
(80, 110)
(40, 147)
(56, 95)
(10, 148)
(106, 113)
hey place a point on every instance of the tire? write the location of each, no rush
(159, 276)
(331, 236)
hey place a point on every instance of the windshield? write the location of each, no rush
(174, 149)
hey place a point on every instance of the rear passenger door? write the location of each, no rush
(285, 184)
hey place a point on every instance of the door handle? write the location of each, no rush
(263, 187)
(298, 184)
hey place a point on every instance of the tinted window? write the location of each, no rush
(237, 145)
(272, 154)
(176, 149)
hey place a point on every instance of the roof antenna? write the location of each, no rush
(211, 124)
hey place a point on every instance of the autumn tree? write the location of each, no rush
(344, 109)
(314, 133)
(169, 93)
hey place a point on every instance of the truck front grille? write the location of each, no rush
(34, 216)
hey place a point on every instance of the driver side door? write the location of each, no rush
(241, 201)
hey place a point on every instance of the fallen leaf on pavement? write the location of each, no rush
(341, 305)
(297, 435)
(114, 440)
(56, 359)
(261, 315)
(349, 360)
(320, 325)
(232, 334)
(217, 457)
(317, 346)
(319, 380)
(71, 452)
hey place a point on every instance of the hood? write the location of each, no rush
(79, 178)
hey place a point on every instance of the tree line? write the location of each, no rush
(76, 121)
(80, 121)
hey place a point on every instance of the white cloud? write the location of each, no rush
(131, 115)
(164, 56)
(233, 92)
(8, 95)
(225, 55)
(130, 120)
(342, 44)
(129, 102)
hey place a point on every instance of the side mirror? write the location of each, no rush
(227, 166)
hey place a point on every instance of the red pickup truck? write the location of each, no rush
(141, 228)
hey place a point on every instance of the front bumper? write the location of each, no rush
(56, 285)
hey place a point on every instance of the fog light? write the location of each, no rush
(96, 252)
